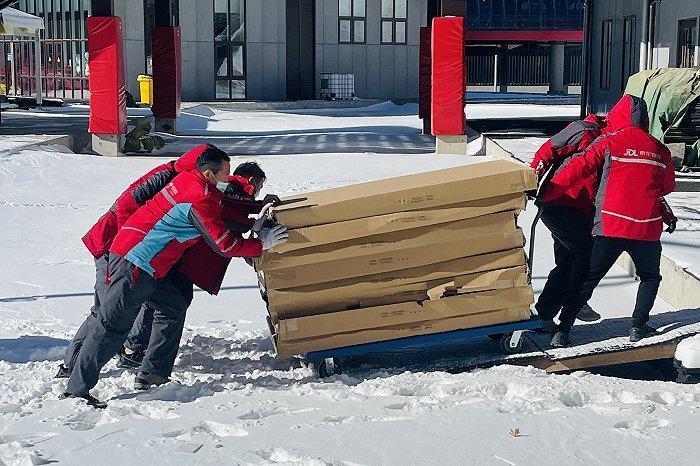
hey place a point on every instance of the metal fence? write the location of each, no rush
(64, 67)
(573, 64)
(525, 65)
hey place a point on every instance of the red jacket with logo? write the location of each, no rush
(99, 238)
(557, 152)
(634, 170)
(186, 210)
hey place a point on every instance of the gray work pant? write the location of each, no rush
(106, 330)
(170, 315)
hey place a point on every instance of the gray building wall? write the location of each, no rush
(266, 60)
(381, 71)
(131, 13)
(664, 52)
(197, 26)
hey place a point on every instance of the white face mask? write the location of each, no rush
(221, 186)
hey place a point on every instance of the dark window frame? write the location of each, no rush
(393, 20)
(686, 25)
(352, 18)
(229, 78)
(629, 47)
(606, 43)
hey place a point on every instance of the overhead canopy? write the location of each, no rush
(18, 23)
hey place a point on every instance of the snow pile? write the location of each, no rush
(232, 401)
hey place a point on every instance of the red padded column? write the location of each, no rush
(167, 66)
(106, 62)
(448, 82)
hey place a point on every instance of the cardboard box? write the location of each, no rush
(392, 242)
(284, 305)
(368, 262)
(501, 316)
(403, 313)
(368, 228)
(408, 193)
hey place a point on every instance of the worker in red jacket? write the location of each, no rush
(157, 355)
(567, 214)
(635, 171)
(100, 236)
(145, 251)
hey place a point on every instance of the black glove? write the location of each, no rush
(671, 226)
(271, 198)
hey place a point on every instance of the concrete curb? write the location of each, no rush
(76, 142)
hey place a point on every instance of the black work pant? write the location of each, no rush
(646, 256)
(571, 232)
(128, 289)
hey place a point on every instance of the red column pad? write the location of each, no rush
(167, 66)
(424, 82)
(106, 62)
(448, 83)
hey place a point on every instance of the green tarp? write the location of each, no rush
(668, 93)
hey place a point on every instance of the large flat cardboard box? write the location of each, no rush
(403, 313)
(283, 306)
(368, 228)
(392, 242)
(501, 316)
(368, 262)
(421, 191)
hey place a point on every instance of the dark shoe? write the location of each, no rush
(560, 339)
(637, 333)
(91, 400)
(129, 361)
(144, 380)
(548, 326)
(63, 372)
(587, 314)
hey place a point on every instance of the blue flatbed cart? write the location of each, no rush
(329, 362)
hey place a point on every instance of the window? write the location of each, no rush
(605, 54)
(351, 21)
(229, 49)
(687, 40)
(629, 48)
(394, 21)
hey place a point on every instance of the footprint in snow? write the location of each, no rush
(220, 430)
(643, 427)
(84, 421)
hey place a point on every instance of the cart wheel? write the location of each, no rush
(329, 367)
(506, 345)
(495, 336)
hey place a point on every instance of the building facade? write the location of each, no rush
(627, 36)
(277, 49)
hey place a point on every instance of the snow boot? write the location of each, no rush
(587, 314)
(63, 372)
(91, 400)
(560, 339)
(637, 333)
(144, 380)
(129, 361)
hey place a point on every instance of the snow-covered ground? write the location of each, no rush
(232, 402)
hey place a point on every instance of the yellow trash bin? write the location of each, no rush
(146, 89)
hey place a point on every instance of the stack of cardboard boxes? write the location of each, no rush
(414, 255)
